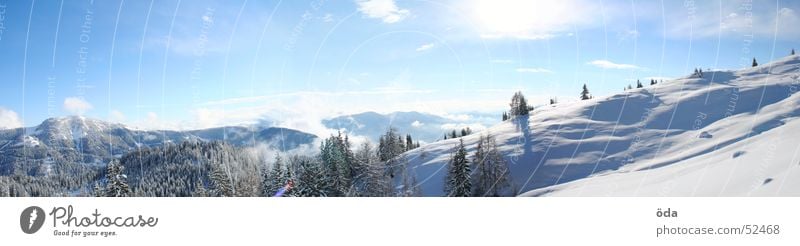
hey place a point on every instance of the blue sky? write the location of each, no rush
(195, 64)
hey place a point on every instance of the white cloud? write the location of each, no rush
(416, 123)
(629, 34)
(9, 119)
(606, 64)
(533, 70)
(386, 10)
(206, 118)
(76, 105)
(151, 121)
(116, 116)
(457, 117)
(327, 18)
(425, 47)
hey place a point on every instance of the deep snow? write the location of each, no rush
(730, 133)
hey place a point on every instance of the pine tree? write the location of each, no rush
(505, 117)
(453, 134)
(754, 62)
(585, 93)
(276, 178)
(553, 101)
(337, 159)
(491, 175)
(117, 184)
(652, 82)
(389, 147)
(457, 182)
(312, 181)
(370, 181)
(401, 144)
(792, 51)
(221, 181)
(409, 142)
(639, 84)
(519, 106)
(99, 191)
(200, 189)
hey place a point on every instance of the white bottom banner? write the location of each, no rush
(400, 221)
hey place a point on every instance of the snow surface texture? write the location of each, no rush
(729, 133)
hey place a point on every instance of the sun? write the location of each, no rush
(504, 16)
(518, 17)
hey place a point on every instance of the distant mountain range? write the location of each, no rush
(78, 139)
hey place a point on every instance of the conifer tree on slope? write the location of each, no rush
(754, 62)
(200, 189)
(388, 149)
(98, 191)
(337, 160)
(639, 84)
(491, 175)
(457, 181)
(371, 181)
(409, 142)
(275, 178)
(585, 93)
(117, 185)
(221, 181)
(519, 106)
(312, 181)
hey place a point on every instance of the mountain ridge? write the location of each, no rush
(79, 139)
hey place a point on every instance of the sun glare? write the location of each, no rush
(516, 17)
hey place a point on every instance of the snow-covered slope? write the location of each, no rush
(730, 133)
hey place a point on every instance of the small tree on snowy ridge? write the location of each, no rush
(585, 93)
(519, 106)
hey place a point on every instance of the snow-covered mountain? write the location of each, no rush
(90, 141)
(422, 126)
(729, 133)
